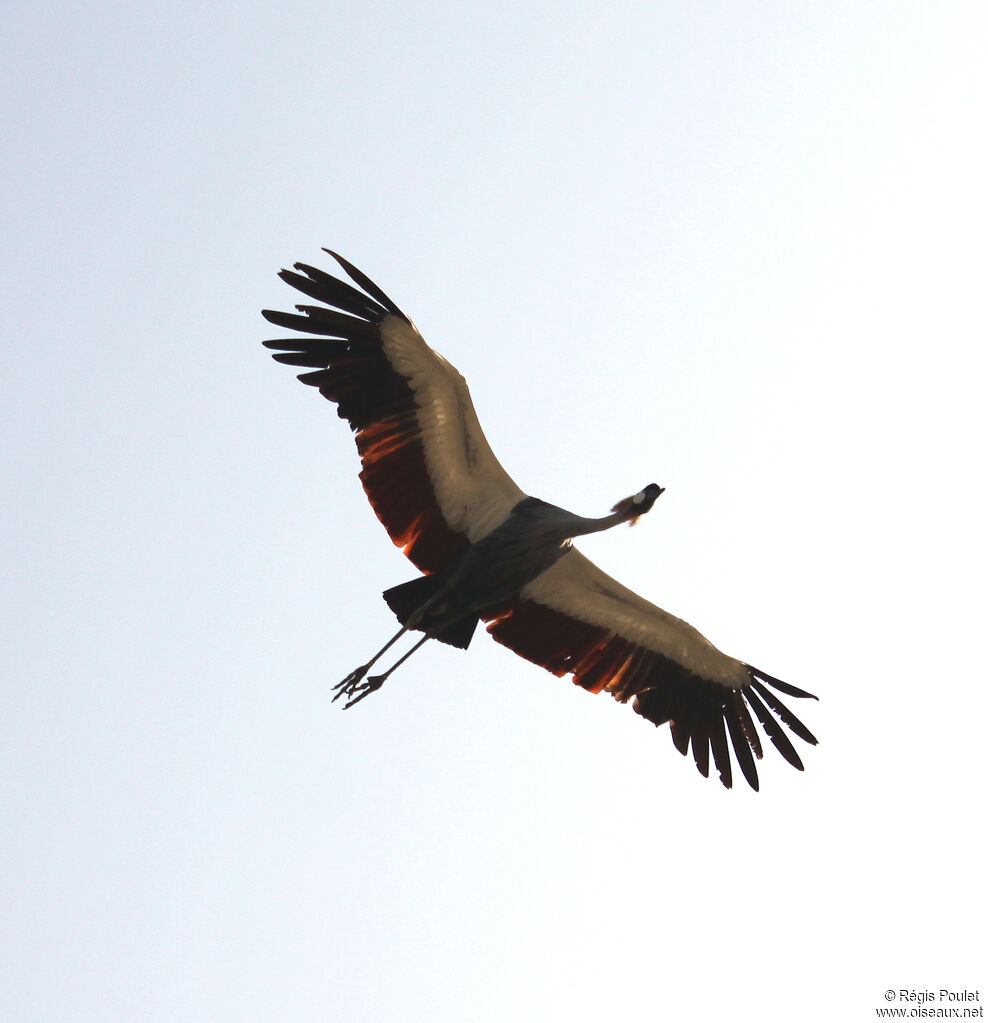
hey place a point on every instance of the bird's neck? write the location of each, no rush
(581, 526)
(552, 522)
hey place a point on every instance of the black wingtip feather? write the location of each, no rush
(774, 730)
(747, 725)
(701, 752)
(785, 714)
(722, 755)
(313, 359)
(783, 687)
(331, 290)
(742, 750)
(367, 284)
(325, 347)
(680, 735)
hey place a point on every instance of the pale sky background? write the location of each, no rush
(735, 248)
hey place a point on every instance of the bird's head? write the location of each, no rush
(636, 505)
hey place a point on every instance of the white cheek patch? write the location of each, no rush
(639, 497)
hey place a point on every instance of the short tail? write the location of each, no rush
(407, 598)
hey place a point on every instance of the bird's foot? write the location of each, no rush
(354, 689)
(347, 686)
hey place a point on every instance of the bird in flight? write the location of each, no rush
(490, 552)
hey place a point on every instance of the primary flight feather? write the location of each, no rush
(490, 552)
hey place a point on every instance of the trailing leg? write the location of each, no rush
(352, 686)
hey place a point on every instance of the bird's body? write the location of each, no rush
(482, 579)
(490, 552)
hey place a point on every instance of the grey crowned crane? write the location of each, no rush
(490, 552)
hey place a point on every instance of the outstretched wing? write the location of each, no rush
(576, 619)
(428, 470)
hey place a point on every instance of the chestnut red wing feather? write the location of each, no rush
(576, 620)
(427, 468)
